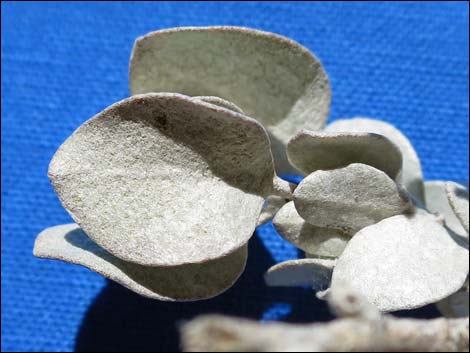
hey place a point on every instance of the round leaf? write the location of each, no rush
(180, 283)
(349, 198)
(272, 78)
(403, 262)
(152, 178)
(312, 272)
(310, 151)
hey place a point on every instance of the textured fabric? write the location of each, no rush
(406, 63)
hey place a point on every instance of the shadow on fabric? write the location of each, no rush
(120, 320)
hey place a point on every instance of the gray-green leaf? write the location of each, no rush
(179, 283)
(270, 77)
(403, 262)
(411, 175)
(349, 198)
(310, 151)
(165, 179)
(312, 272)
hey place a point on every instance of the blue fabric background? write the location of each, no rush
(406, 63)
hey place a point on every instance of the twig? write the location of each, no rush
(361, 328)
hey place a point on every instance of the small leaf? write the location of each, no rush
(312, 272)
(411, 174)
(310, 151)
(180, 283)
(403, 262)
(349, 198)
(316, 241)
(458, 199)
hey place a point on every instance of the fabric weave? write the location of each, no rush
(62, 62)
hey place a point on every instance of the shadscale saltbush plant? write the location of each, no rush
(167, 186)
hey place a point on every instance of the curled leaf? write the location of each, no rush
(316, 241)
(312, 272)
(179, 283)
(437, 202)
(411, 175)
(272, 78)
(349, 198)
(403, 262)
(458, 199)
(152, 178)
(310, 151)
